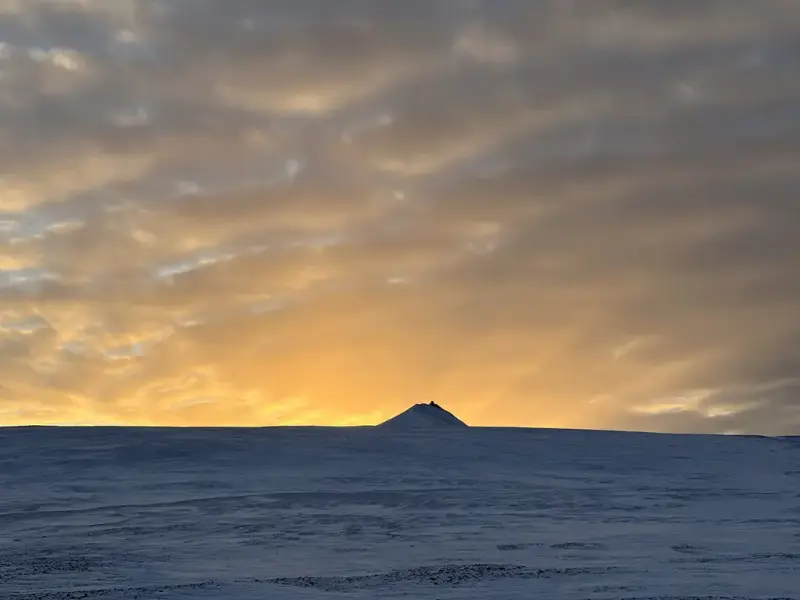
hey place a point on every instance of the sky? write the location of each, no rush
(536, 213)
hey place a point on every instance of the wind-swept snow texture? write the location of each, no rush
(422, 416)
(364, 513)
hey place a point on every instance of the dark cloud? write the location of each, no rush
(551, 213)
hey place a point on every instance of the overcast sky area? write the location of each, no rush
(249, 212)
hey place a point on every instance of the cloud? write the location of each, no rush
(551, 213)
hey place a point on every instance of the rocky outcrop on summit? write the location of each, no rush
(424, 416)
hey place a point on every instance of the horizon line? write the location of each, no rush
(376, 426)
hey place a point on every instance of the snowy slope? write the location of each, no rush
(490, 514)
(421, 416)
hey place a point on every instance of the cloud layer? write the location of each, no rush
(536, 213)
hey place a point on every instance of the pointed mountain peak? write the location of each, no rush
(424, 416)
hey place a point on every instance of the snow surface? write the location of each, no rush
(322, 513)
(424, 416)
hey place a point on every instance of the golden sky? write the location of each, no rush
(562, 214)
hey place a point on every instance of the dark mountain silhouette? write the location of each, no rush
(424, 416)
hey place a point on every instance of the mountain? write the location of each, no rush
(424, 416)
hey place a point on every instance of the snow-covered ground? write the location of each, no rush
(493, 514)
